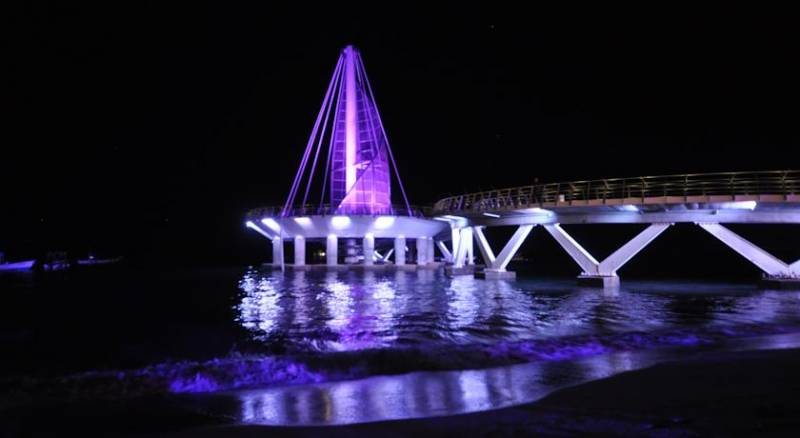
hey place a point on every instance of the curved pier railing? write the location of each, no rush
(327, 210)
(698, 187)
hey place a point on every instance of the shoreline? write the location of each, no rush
(746, 393)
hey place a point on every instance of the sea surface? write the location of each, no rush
(257, 335)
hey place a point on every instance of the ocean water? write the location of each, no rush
(117, 332)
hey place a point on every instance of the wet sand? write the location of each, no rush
(748, 393)
(751, 393)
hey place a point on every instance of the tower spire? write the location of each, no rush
(358, 166)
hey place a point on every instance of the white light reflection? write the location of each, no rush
(271, 224)
(740, 205)
(258, 309)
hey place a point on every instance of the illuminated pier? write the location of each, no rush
(708, 200)
(357, 224)
(353, 186)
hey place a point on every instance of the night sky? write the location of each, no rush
(149, 130)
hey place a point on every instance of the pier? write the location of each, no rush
(360, 228)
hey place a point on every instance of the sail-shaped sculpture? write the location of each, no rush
(357, 176)
(353, 186)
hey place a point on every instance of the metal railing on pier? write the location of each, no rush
(777, 182)
(327, 210)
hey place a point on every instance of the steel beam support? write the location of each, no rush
(612, 263)
(510, 249)
(582, 257)
(483, 246)
(462, 250)
(448, 256)
(757, 256)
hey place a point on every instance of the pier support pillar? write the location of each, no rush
(604, 281)
(369, 249)
(603, 274)
(299, 251)
(780, 275)
(496, 266)
(422, 251)
(277, 251)
(446, 254)
(332, 250)
(399, 251)
(429, 250)
(350, 251)
(496, 274)
(462, 248)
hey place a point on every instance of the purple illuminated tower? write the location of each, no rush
(357, 173)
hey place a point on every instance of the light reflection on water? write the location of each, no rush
(341, 311)
(427, 394)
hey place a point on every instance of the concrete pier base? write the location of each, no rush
(780, 283)
(453, 271)
(358, 267)
(604, 281)
(496, 274)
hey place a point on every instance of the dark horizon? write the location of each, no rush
(149, 131)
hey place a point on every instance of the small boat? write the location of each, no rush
(95, 261)
(26, 265)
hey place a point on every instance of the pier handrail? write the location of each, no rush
(771, 182)
(327, 210)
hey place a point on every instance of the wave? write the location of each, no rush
(238, 371)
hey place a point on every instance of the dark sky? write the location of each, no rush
(149, 130)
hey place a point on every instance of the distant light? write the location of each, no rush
(340, 222)
(271, 224)
(383, 222)
(303, 221)
(491, 215)
(740, 205)
(629, 207)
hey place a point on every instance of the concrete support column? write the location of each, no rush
(277, 251)
(771, 265)
(350, 251)
(604, 273)
(429, 250)
(462, 247)
(299, 251)
(448, 256)
(470, 248)
(400, 251)
(496, 266)
(369, 249)
(421, 251)
(332, 250)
